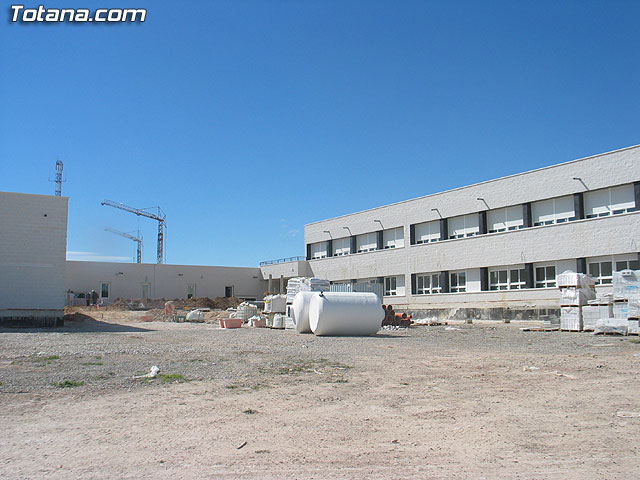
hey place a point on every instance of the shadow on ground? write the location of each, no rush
(77, 323)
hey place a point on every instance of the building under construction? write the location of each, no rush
(489, 250)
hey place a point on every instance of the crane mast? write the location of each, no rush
(138, 240)
(160, 217)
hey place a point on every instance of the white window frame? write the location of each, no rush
(341, 246)
(470, 226)
(505, 219)
(427, 232)
(507, 278)
(425, 284)
(394, 286)
(558, 214)
(390, 286)
(615, 263)
(367, 242)
(318, 250)
(460, 281)
(549, 279)
(393, 238)
(597, 209)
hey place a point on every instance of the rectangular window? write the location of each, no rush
(367, 242)
(464, 226)
(609, 201)
(191, 291)
(341, 246)
(105, 288)
(390, 286)
(394, 286)
(504, 219)
(601, 268)
(393, 238)
(319, 250)
(507, 279)
(458, 282)
(555, 210)
(427, 232)
(428, 283)
(145, 290)
(545, 276)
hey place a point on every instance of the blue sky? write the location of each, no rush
(244, 120)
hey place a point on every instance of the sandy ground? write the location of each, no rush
(427, 402)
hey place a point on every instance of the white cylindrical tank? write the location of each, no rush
(301, 311)
(345, 313)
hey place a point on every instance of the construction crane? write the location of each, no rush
(138, 240)
(160, 217)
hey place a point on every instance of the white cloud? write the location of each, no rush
(95, 257)
(293, 233)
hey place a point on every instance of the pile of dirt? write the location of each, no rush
(218, 303)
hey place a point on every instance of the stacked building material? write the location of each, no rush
(626, 305)
(395, 319)
(576, 289)
(633, 314)
(595, 311)
(305, 284)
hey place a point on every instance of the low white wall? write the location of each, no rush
(165, 281)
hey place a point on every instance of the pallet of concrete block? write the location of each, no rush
(571, 319)
(621, 310)
(275, 303)
(592, 313)
(576, 289)
(625, 284)
(570, 278)
(633, 306)
(618, 326)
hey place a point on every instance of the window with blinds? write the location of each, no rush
(427, 232)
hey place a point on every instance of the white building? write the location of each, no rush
(33, 241)
(492, 249)
(148, 280)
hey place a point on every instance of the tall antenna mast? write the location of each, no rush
(59, 179)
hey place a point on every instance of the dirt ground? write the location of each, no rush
(485, 400)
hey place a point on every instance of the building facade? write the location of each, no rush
(33, 240)
(492, 249)
(148, 280)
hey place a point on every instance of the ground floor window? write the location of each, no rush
(191, 291)
(390, 286)
(105, 288)
(458, 282)
(428, 283)
(507, 279)
(145, 290)
(601, 269)
(546, 276)
(394, 285)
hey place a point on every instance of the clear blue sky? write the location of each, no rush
(245, 120)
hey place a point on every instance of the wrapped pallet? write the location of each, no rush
(634, 305)
(621, 310)
(571, 319)
(592, 313)
(625, 284)
(612, 325)
(576, 289)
